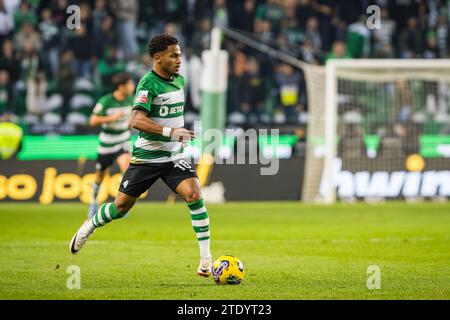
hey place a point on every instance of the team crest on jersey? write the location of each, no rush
(142, 96)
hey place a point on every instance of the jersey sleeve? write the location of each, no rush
(144, 96)
(99, 109)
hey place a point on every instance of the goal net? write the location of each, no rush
(378, 129)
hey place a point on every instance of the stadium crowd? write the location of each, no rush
(53, 74)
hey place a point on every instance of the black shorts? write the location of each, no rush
(104, 161)
(140, 177)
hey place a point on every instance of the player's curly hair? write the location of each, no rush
(160, 43)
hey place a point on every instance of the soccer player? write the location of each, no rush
(112, 112)
(158, 115)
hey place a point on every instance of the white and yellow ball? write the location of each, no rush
(228, 270)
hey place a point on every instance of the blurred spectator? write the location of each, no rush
(99, 15)
(263, 29)
(25, 14)
(304, 12)
(351, 145)
(402, 10)
(289, 90)
(9, 61)
(5, 92)
(358, 39)
(126, 12)
(402, 105)
(270, 11)
(236, 88)
(383, 37)
(202, 37)
(12, 5)
(340, 28)
(50, 43)
(309, 53)
(350, 11)
(410, 40)
(312, 33)
(66, 79)
(391, 145)
(431, 7)
(106, 37)
(252, 105)
(86, 17)
(410, 133)
(283, 45)
(27, 34)
(173, 10)
(59, 8)
(35, 4)
(324, 13)
(299, 148)
(81, 47)
(443, 36)
(244, 17)
(289, 9)
(34, 77)
(173, 29)
(220, 14)
(192, 71)
(293, 33)
(6, 22)
(138, 68)
(110, 65)
(431, 47)
(339, 51)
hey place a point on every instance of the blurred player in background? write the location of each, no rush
(112, 112)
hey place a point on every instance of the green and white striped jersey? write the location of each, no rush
(163, 100)
(115, 135)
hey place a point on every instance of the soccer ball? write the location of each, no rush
(228, 270)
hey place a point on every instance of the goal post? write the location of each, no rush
(378, 129)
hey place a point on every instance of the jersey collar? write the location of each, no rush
(162, 78)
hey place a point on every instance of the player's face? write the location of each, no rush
(129, 88)
(170, 59)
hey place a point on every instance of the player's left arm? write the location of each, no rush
(99, 115)
(96, 120)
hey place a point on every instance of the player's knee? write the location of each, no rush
(193, 195)
(123, 207)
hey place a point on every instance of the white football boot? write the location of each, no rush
(80, 237)
(205, 267)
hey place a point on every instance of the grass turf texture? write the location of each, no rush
(289, 251)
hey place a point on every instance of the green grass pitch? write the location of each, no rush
(289, 251)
